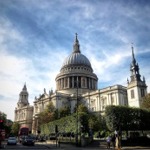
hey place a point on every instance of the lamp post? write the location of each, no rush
(36, 124)
(77, 114)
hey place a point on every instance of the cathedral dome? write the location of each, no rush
(76, 71)
(76, 59)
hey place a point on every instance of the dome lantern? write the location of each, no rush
(76, 46)
(76, 58)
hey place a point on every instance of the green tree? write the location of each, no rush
(83, 119)
(118, 117)
(64, 111)
(8, 127)
(49, 114)
(88, 119)
(50, 107)
(15, 128)
(3, 120)
(126, 118)
(146, 102)
(3, 116)
(93, 122)
(82, 108)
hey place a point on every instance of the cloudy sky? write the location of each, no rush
(36, 36)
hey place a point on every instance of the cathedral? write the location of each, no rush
(77, 81)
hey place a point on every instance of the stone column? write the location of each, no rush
(85, 82)
(61, 84)
(92, 83)
(57, 85)
(68, 82)
(81, 82)
(72, 82)
(89, 83)
(64, 82)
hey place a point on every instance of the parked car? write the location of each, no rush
(12, 141)
(28, 140)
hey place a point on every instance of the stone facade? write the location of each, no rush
(23, 111)
(137, 88)
(76, 78)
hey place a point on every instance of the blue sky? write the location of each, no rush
(37, 35)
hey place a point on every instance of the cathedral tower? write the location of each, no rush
(23, 111)
(23, 97)
(136, 87)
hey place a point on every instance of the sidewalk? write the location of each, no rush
(102, 146)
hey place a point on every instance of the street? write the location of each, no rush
(20, 146)
(52, 146)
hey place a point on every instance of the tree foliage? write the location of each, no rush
(125, 118)
(65, 124)
(146, 102)
(82, 108)
(50, 107)
(48, 114)
(64, 111)
(15, 128)
(3, 116)
(85, 119)
(93, 122)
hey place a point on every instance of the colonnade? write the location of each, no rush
(76, 81)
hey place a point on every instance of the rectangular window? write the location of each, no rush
(104, 102)
(112, 100)
(142, 93)
(93, 103)
(132, 94)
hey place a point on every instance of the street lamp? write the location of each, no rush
(77, 114)
(36, 124)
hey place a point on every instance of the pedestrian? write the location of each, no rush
(113, 140)
(108, 140)
(118, 142)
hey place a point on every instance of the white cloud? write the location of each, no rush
(8, 108)
(12, 71)
(105, 31)
(15, 71)
(8, 32)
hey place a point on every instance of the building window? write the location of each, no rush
(93, 106)
(142, 93)
(112, 100)
(132, 94)
(104, 100)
